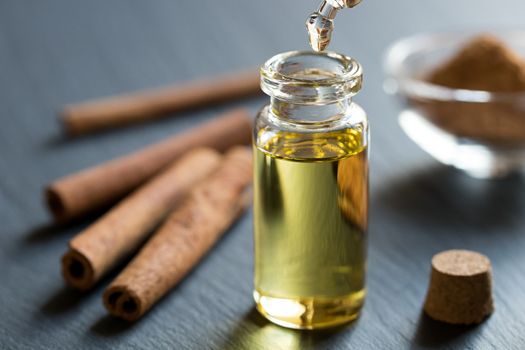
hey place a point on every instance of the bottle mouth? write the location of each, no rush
(308, 77)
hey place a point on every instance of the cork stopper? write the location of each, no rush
(460, 289)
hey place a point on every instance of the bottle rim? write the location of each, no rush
(309, 77)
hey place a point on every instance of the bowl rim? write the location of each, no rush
(397, 52)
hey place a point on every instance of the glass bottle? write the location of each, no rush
(310, 191)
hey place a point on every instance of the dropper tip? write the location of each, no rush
(319, 31)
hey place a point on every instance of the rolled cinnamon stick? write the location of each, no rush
(188, 233)
(99, 186)
(87, 117)
(97, 249)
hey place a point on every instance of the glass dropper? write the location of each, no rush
(320, 23)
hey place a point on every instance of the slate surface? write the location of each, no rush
(56, 51)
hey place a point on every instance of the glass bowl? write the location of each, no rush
(479, 132)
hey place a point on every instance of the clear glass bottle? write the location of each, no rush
(310, 191)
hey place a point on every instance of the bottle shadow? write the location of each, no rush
(444, 197)
(254, 331)
(434, 334)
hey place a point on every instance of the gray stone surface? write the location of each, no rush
(56, 51)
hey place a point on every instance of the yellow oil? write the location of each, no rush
(310, 221)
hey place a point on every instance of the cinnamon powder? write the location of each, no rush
(484, 63)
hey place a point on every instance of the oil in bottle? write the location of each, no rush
(310, 227)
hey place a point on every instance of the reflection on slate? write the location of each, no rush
(255, 329)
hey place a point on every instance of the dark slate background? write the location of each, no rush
(58, 51)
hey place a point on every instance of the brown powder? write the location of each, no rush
(484, 63)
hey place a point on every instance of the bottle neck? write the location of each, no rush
(310, 90)
(309, 114)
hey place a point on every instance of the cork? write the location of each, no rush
(460, 289)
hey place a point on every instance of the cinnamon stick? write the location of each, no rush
(188, 233)
(97, 249)
(91, 116)
(99, 186)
